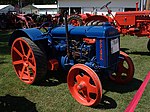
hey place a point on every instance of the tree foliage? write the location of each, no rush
(8, 2)
(26, 2)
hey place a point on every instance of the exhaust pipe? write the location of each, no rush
(67, 35)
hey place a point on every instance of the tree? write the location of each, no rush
(148, 5)
(13, 2)
(26, 2)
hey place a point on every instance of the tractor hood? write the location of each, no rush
(103, 31)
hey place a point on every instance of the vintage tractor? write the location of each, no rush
(85, 52)
(129, 23)
(24, 21)
(82, 19)
(16, 20)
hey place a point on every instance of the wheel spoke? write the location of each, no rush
(119, 71)
(121, 63)
(32, 66)
(87, 96)
(28, 73)
(22, 72)
(124, 70)
(118, 76)
(75, 87)
(18, 52)
(22, 48)
(86, 78)
(18, 62)
(29, 53)
(91, 89)
(89, 99)
(78, 78)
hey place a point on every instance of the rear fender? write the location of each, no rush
(101, 18)
(32, 33)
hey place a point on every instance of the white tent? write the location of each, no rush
(47, 9)
(6, 8)
(29, 9)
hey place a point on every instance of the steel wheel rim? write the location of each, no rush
(86, 89)
(124, 74)
(23, 61)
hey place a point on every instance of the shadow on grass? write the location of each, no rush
(10, 103)
(2, 61)
(106, 103)
(108, 85)
(139, 53)
(4, 49)
(57, 77)
(135, 52)
(4, 37)
(54, 78)
(124, 49)
(127, 51)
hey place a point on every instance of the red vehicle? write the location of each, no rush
(82, 19)
(132, 22)
(128, 23)
(15, 20)
(25, 20)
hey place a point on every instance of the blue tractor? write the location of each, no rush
(85, 52)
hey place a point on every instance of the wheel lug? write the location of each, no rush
(81, 86)
(25, 58)
(26, 64)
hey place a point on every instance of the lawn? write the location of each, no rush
(54, 96)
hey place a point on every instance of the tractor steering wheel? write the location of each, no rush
(43, 26)
(105, 5)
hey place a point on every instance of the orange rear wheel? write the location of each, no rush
(75, 20)
(28, 60)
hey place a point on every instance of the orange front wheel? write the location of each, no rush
(84, 85)
(125, 70)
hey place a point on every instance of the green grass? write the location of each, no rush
(54, 96)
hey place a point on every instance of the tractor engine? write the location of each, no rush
(82, 51)
(94, 46)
